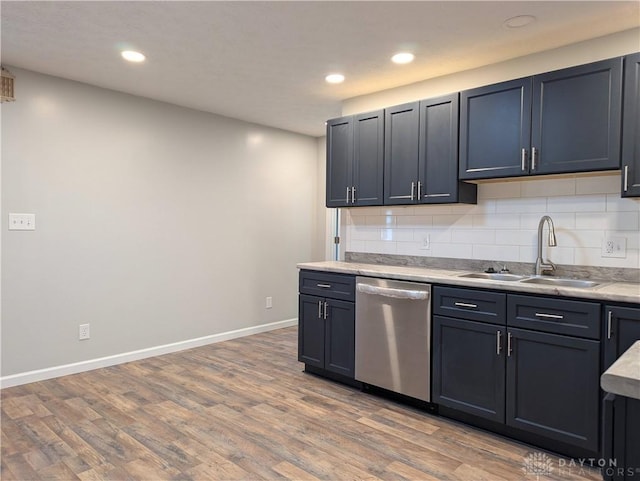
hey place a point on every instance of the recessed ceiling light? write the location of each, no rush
(403, 57)
(335, 78)
(133, 56)
(519, 21)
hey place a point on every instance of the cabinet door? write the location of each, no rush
(469, 367)
(340, 337)
(311, 330)
(401, 130)
(622, 329)
(631, 127)
(495, 128)
(438, 154)
(368, 157)
(339, 161)
(630, 444)
(576, 118)
(553, 386)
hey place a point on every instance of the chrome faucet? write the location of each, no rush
(547, 265)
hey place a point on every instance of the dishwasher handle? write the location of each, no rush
(416, 295)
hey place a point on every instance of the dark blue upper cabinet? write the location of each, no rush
(368, 158)
(421, 154)
(355, 155)
(438, 154)
(559, 122)
(576, 119)
(401, 134)
(339, 161)
(495, 126)
(631, 127)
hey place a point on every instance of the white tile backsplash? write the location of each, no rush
(503, 225)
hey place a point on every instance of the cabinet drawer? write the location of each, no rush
(326, 284)
(558, 316)
(469, 304)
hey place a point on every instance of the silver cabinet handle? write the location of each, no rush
(348, 191)
(626, 178)
(465, 304)
(353, 194)
(419, 191)
(524, 160)
(413, 189)
(325, 310)
(609, 315)
(509, 349)
(324, 286)
(319, 309)
(534, 157)
(549, 316)
(498, 342)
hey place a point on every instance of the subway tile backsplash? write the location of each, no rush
(503, 225)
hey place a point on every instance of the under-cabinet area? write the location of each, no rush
(519, 359)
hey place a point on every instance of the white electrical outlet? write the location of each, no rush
(83, 332)
(426, 242)
(22, 222)
(613, 246)
(268, 302)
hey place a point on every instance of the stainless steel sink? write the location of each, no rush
(560, 282)
(494, 276)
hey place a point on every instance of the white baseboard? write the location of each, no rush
(77, 367)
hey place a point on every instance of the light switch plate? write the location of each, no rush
(22, 222)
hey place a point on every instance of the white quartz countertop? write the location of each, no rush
(623, 377)
(607, 291)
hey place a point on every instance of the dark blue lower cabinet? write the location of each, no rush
(340, 341)
(469, 367)
(539, 387)
(621, 438)
(311, 330)
(326, 334)
(553, 387)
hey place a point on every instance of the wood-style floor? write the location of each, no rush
(240, 409)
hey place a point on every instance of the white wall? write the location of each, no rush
(503, 224)
(155, 224)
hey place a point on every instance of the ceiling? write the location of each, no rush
(265, 62)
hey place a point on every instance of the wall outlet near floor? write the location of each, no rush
(22, 222)
(613, 246)
(268, 304)
(426, 242)
(83, 332)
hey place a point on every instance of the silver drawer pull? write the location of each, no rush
(549, 316)
(464, 304)
(324, 316)
(319, 309)
(498, 342)
(324, 286)
(609, 315)
(509, 348)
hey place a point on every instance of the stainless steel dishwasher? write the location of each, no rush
(393, 336)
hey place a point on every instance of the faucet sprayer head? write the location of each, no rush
(552, 233)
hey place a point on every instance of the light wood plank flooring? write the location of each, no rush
(239, 410)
